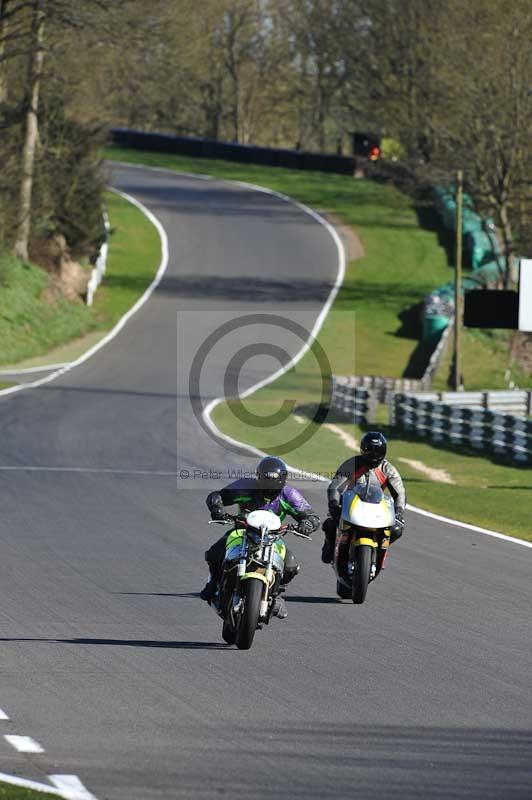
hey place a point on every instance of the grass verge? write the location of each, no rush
(10, 792)
(485, 360)
(34, 332)
(484, 492)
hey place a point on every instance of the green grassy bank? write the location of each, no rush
(10, 792)
(34, 330)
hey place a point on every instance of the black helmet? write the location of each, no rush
(373, 448)
(272, 473)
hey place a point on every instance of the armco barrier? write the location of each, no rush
(243, 153)
(487, 431)
(101, 263)
(517, 402)
(380, 387)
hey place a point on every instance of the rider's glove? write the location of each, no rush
(218, 513)
(306, 527)
(396, 530)
(334, 510)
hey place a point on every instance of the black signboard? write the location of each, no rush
(491, 308)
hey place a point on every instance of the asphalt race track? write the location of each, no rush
(108, 658)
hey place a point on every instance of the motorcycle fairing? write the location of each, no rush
(366, 540)
(234, 543)
(260, 575)
(366, 506)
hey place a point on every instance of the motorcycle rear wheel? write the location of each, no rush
(251, 596)
(361, 573)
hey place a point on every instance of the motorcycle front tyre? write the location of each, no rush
(342, 591)
(361, 574)
(228, 633)
(252, 589)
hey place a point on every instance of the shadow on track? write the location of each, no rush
(301, 598)
(228, 288)
(129, 643)
(189, 595)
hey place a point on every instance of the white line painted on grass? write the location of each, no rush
(346, 437)
(24, 744)
(71, 787)
(122, 321)
(438, 475)
(3, 715)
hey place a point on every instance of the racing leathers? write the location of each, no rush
(246, 493)
(351, 471)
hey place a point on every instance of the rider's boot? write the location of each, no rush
(327, 551)
(211, 587)
(279, 608)
(209, 590)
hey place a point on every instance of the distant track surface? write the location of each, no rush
(112, 663)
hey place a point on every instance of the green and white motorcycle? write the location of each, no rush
(251, 579)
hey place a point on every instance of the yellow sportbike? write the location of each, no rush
(362, 538)
(252, 572)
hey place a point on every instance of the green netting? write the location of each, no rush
(482, 249)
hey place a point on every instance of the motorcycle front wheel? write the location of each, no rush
(342, 591)
(251, 595)
(361, 573)
(228, 633)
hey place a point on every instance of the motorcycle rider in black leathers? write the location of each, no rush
(270, 492)
(372, 458)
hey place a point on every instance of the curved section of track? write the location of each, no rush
(109, 657)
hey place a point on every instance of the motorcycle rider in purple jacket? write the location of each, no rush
(269, 492)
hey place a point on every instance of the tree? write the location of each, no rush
(36, 55)
(319, 36)
(484, 122)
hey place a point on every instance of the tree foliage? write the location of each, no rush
(448, 82)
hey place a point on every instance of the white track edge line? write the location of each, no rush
(3, 716)
(71, 787)
(24, 744)
(123, 320)
(468, 526)
(25, 783)
(29, 370)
